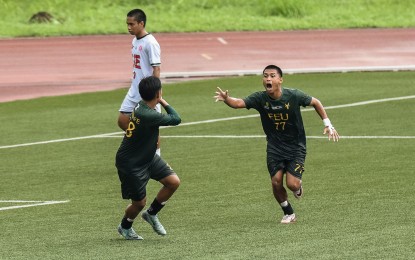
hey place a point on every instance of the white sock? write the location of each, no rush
(158, 151)
(284, 204)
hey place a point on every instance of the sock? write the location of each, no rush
(286, 207)
(126, 223)
(155, 207)
(158, 152)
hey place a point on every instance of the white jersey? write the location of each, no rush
(146, 54)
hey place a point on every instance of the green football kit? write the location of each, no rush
(136, 158)
(283, 126)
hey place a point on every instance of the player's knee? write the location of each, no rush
(139, 204)
(294, 185)
(174, 182)
(277, 181)
(277, 185)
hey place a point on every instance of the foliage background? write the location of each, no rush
(108, 16)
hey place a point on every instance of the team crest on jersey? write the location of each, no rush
(287, 106)
(266, 105)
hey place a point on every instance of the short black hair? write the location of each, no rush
(273, 67)
(138, 15)
(148, 87)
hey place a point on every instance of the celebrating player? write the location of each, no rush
(137, 161)
(146, 62)
(279, 109)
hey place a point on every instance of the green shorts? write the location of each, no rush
(134, 181)
(294, 167)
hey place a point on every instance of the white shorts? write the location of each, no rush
(127, 106)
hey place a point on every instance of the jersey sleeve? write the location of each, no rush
(252, 100)
(155, 118)
(303, 98)
(154, 54)
(172, 115)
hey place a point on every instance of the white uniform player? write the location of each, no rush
(146, 55)
(146, 62)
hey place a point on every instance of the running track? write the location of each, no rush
(36, 67)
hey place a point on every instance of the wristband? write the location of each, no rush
(327, 122)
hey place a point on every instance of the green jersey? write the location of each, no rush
(281, 121)
(140, 140)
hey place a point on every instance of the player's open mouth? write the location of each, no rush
(269, 85)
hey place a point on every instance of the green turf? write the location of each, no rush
(358, 200)
(108, 16)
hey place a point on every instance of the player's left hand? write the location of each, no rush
(332, 133)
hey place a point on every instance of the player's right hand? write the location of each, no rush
(220, 95)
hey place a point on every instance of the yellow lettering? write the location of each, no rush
(299, 168)
(134, 118)
(130, 129)
(286, 117)
(280, 126)
(279, 120)
(278, 117)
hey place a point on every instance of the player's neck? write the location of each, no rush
(141, 34)
(277, 93)
(152, 103)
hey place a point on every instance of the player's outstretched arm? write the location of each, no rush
(230, 101)
(328, 127)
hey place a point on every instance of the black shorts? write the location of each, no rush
(134, 181)
(294, 167)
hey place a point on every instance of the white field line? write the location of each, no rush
(58, 140)
(208, 121)
(32, 203)
(263, 136)
(221, 73)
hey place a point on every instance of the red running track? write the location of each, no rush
(37, 67)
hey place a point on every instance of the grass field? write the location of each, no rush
(108, 16)
(358, 200)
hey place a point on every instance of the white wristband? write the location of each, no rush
(327, 122)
